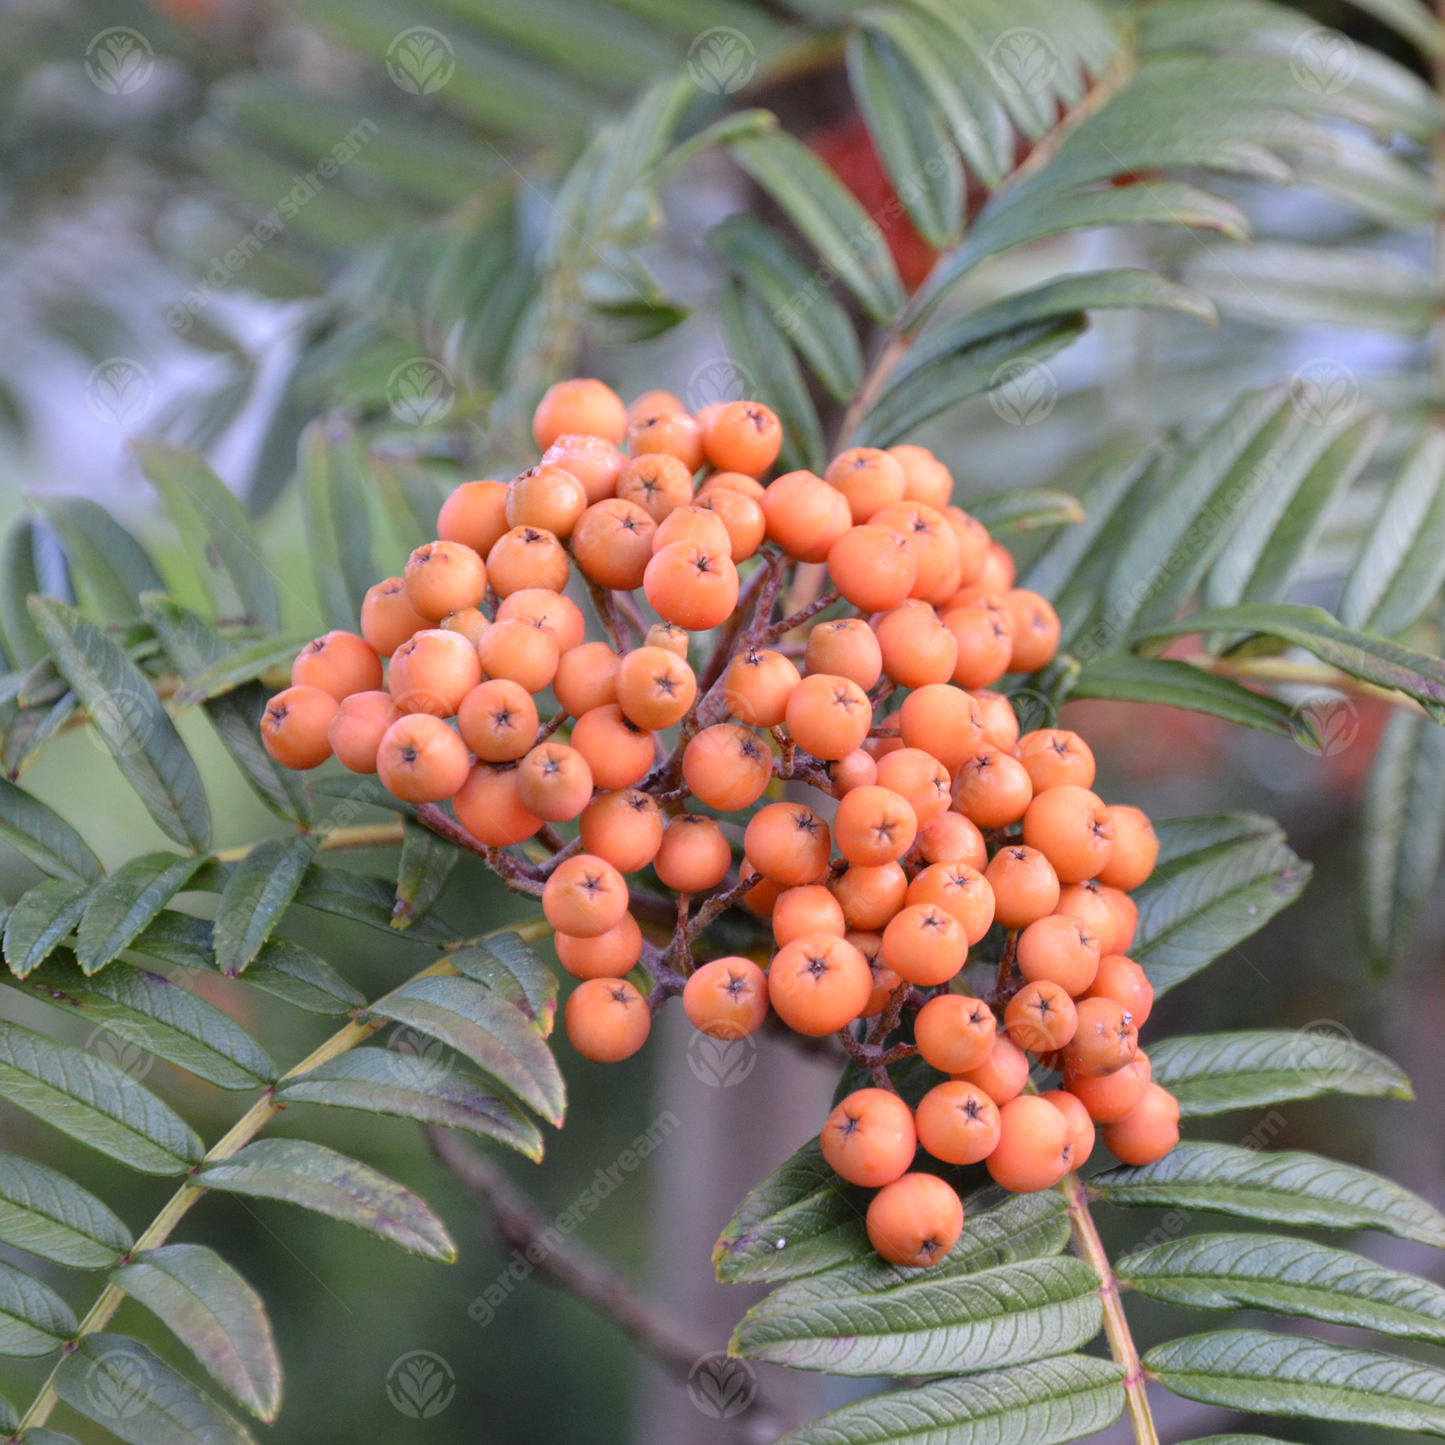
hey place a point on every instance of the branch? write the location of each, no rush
(778, 629)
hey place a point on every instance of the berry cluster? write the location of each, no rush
(948, 822)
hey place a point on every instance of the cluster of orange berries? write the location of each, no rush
(948, 822)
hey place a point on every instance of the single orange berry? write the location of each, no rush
(869, 897)
(918, 650)
(1025, 886)
(606, 1020)
(805, 516)
(527, 557)
(973, 544)
(1122, 980)
(624, 828)
(296, 725)
(475, 515)
(1055, 758)
(1148, 1131)
(845, 648)
(657, 482)
(869, 1138)
(522, 651)
(584, 896)
(1000, 722)
(925, 945)
(444, 577)
(498, 721)
(586, 678)
(433, 671)
(959, 889)
(421, 760)
(489, 809)
(828, 716)
(998, 570)
(727, 767)
(612, 543)
(670, 433)
(582, 405)
(872, 567)
(1072, 828)
(954, 1033)
(692, 523)
(1109, 1097)
(555, 783)
(1086, 902)
(1041, 1017)
(1059, 950)
(787, 842)
(655, 687)
(694, 855)
(808, 909)
(733, 482)
(387, 617)
(551, 609)
(854, 770)
(818, 984)
(340, 663)
(618, 752)
(1003, 1074)
(984, 644)
(757, 685)
(727, 998)
(867, 478)
(1136, 849)
(470, 622)
(357, 729)
(874, 826)
(958, 1123)
(651, 402)
(594, 461)
(915, 1221)
(1036, 630)
(743, 436)
(609, 955)
(548, 497)
(1032, 1149)
(951, 837)
(1126, 918)
(943, 721)
(740, 514)
(1106, 1039)
(925, 478)
(693, 585)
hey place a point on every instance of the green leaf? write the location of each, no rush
(338, 537)
(411, 1086)
(1288, 1276)
(287, 971)
(360, 788)
(110, 564)
(1411, 19)
(427, 861)
(1199, 904)
(34, 1320)
(121, 906)
(1291, 1188)
(799, 304)
(493, 1033)
(40, 921)
(243, 665)
(1044, 1404)
(326, 1182)
(1402, 834)
(1122, 677)
(94, 1102)
(1214, 1073)
(1402, 564)
(255, 897)
(127, 1389)
(827, 214)
(45, 1213)
(1273, 1374)
(215, 530)
(1373, 659)
(215, 1314)
(154, 1014)
(512, 969)
(44, 837)
(364, 900)
(1026, 509)
(18, 579)
(1014, 1315)
(124, 709)
(175, 937)
(34, 730)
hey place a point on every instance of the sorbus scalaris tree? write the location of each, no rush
(1195, 532)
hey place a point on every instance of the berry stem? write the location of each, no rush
(1091, 1249)
(778, 629)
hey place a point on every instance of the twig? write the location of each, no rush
(335, 840)
(717, 905)
(778, 629)
(866, 1058)
(551, 725)
(1002, 992)
(606, 609)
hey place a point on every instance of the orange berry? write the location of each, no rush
(805, 516)
(547, 497)
(421, 760)
(1107, 1038)
(618, 752)
(727, 998)
(951, 836)
(741, 514)
(1109, 1097)
(1000, 722)
(607, 1020)
(582, 405)
(818, 984)
(340, 663)
(870, 945)
(845, 648)
(918, 650)
(651, 402)
(997, 572)
(869, 897)
(943, 721)
(475, 515)
(498, 721)
(694, 855)
(551, 609)
(669, 433)
(522, 651)
(693, 585)
(743, 436)
(973, 545)
(932, 542)
(1079, 1124)
(854, 770)
(954, 1033)
(925, 478)
(554, 783)
(763, 896)
(958, 1123)
(699, 525)
(1041, 1017)
(387, 617)
(609, 955)
(433, 671)
(873, 567)
(915, 1220)
(1122, 980)
(1086, 902)
(594, 461)
(959, 889)
(527, 557)
(360, 723)
(1126, 918)
(624, 828)
(585, 896)
(924, 944)
(1060, 950)
(1056, 758)
(869, 1138)
(444, 577)
(1025, 886)
(655, 687)
(1149, 1131)
(586, 678)
(828, 716)
(1003, 1074)
(809, 909)
(1036, 630)
(733, 482)
(470, 623)
(296, 724)
(727, 767)
(1136, 849)
(668, 636)
(490, 810)
(992, 789)
(612, 542)
(1071, 827)
(868, 479)
(657, 483)
(757, 685)
(1033, 1143)
(874, 826)
(984, 643)
(787, 842)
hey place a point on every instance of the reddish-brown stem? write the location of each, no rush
(813, 608)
